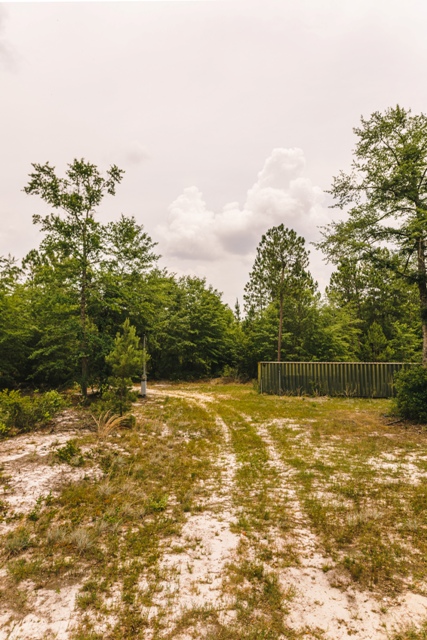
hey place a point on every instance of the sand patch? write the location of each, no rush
(51, 616)
(29, 473)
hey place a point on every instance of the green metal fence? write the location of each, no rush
(359, 379)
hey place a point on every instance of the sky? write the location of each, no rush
(228, 117)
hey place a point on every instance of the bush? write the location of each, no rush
(24, 413)
(411, 393)
(71, 454)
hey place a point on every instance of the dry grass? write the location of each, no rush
(108, 422)
(358, 482)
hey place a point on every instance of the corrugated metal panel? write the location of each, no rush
(359, 379)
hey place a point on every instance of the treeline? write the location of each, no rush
(365, 315)
(62, 307)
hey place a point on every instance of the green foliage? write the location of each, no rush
(126, 360)
(71, 454)
(74, 239)
(157, 503)
(15, 325)
(86, 277)
(411, 394)
(386, 200)
(382, 306)
(376, 345)
(118, 397)
(25, 413)
(336, 334)
(279, 275)
(194, 333)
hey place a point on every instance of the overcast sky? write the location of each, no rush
(228, 117)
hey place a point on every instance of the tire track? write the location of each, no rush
(195, 570)
(340, 613)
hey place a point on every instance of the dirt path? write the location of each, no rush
(324, 602)
(197, 567)
(194, 575)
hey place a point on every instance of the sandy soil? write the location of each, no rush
(324, 601)
(29, 474)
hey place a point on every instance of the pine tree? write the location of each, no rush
(126, 360)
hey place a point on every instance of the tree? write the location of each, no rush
(53, 308)
(258, 340)
(74, 237)
(279, 272)
(126, 360)
(193, 335)
(335, 336)
(15, 325)
(375, 298)
(386, 198)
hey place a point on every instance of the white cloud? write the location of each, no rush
(190, 232)
(280, 195)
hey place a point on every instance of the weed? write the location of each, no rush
(89, 596)
(108, 422)
(157, 503)
(17, 541)
(81, 539)
(71, 454)
(23, 569)
(34, 514)
(412, 633)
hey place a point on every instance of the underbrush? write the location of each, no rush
(411, 394)
(21, 413)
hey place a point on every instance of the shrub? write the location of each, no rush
(71, 454)
(411, 394)
(24, 413)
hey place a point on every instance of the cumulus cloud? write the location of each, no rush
(281, 194)
(190, 232)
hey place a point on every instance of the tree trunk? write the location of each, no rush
(422, 288)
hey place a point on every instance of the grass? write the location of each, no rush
(412, 633)
(114, 528)
(360, 482)
(364, 503)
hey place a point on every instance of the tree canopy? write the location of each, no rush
(279, 272)
(385, 199)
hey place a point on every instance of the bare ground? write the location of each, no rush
(320, 604)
